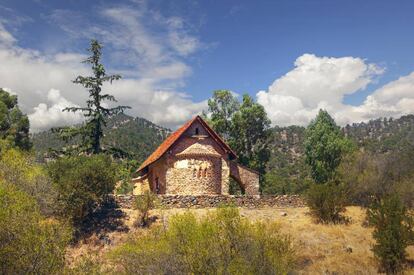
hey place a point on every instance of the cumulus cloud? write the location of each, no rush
(151, 63)
(45, 116)
(322, 82)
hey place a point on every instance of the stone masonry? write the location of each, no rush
(206, 201)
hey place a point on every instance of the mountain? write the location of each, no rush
(137, 136)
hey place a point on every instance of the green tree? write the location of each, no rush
(250, 134)
(14, 125)
(392, 231)
(325, 146)
(82, 183)
(222, 106)
(95, 113)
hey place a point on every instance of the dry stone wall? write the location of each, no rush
(205, 201)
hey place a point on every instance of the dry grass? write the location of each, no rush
(321, 249)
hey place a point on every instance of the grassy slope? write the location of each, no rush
(321, 249)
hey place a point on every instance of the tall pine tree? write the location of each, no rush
(95, 113)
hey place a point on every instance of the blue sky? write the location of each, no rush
(353, 58)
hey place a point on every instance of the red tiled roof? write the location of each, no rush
(171, 139)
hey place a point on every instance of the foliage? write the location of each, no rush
(20, 169)
(95, 112)
(392, 232)
(383, 134)
(278, 181)
(82, 183)
(221, 243)
(29, 244)
(14, 125)
(250, 132)
(325, 146)
(144, 204)
(222, 106)
(371, 176)
(125, 170)
(327, 202)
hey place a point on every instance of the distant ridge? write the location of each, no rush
(140, 137)
(137, 136)
(378, 136)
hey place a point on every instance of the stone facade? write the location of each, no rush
(196, 163)
(206, 201)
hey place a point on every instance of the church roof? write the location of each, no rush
(171, 139)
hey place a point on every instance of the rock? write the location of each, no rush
(283, 214)
(105, 240)
(348, 249)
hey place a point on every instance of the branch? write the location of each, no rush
(76, 109)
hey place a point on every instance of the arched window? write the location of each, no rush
(196, 131)
(205, 172)
(199, 173)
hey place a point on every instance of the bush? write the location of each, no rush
(82, 183)
(326, 202)
(221, 243)
(20, 169)
(126, 168)
(280, 183)
(29, 244)
(144, 204)
(372, 176)
(392, 232)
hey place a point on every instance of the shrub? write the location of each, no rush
(144, 204)
(19, 168)
(82, 183)
(126, 168)
(392, 232)
(326, 202)
(221, 243)
(279, 182)
(372, 176)
(29, 244)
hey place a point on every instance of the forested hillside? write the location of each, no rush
(136, 136)
(377, 136)
(139, 137)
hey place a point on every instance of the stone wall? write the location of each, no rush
(247, 178)
(204, 201)
(191, 180)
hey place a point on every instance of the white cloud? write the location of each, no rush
(5, 36)
(45, 116)
(322, 82)
(179, 38)
(154, 69)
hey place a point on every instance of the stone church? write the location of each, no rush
(194, 160)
